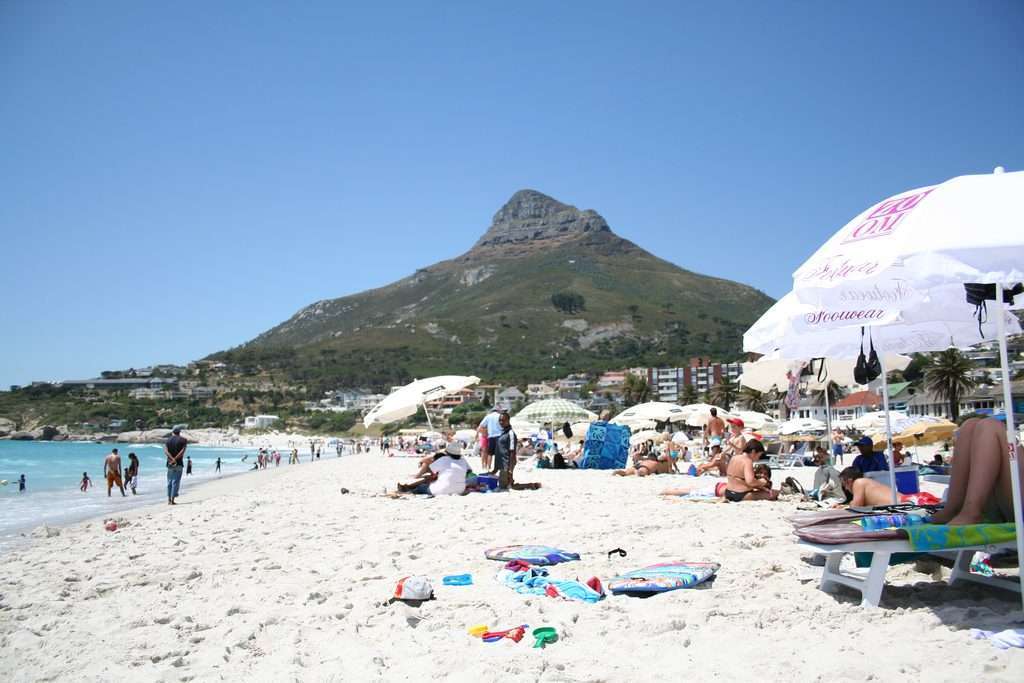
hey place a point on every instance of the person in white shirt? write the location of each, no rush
(446, 476)
(487, 433)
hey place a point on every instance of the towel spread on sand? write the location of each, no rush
(1004, 640)
(535, 581)
(941, 536)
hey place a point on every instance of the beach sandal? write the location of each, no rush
(617, 551)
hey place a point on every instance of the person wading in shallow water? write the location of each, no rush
(174, 450)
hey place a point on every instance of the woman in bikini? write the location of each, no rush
(647, 462)
(741, 482)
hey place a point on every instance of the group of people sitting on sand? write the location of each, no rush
(447, 472)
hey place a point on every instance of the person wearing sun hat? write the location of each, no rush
(869, 459)
(446, 475)
(736, 440)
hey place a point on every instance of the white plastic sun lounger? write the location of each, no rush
(871, 582)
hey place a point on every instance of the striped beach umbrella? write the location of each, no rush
(555, 411)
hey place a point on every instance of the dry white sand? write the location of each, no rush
(277, 576)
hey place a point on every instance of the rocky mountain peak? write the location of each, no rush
(529, 217)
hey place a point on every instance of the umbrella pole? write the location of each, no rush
(828, 420)
(427, 413)
(1011, 429)
(888, 431)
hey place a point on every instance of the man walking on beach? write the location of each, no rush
(218, 466)
(112, 471)
(174, 450)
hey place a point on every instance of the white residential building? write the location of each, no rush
(260, 421)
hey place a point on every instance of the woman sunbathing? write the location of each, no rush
(979, 484)
(647, 462)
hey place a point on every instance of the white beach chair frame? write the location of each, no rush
(871, 582)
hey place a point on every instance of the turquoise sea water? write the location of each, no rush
(53, 473)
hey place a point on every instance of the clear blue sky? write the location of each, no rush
(177, 177)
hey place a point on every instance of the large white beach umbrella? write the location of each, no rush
(803, 425)
(555, 411)
(698, 414)
(654, 410)
(405, 401)
(894, 258)
(875, 421)
(757, 421)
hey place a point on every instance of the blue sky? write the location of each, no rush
(178, 177)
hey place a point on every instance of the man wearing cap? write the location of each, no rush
(174, 450)
(869, 459)
(736, 440)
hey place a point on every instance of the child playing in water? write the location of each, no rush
(86, 482)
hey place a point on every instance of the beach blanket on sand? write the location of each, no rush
(533, 554)
(523, 578)
(927, 537)
(662, 577)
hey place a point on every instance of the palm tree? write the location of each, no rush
(689, 395)
(835, 392)
(635, 390)
(753, 400)
(948, 376)
(723, 394)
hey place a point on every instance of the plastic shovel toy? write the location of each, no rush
(544, 635)
(515, 634)
(478, 630)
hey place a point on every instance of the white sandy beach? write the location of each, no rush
(277, 576)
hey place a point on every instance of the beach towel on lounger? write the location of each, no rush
(662, 577)
(927, 537)
(542, 555)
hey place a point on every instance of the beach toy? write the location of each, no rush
(544, 635)
(488, 480)
(478, 630)
(541, 555)
(458, 580)
(111, 525)
(515, 634)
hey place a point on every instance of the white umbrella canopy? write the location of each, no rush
(756, 421)
(646, 435)
(554, 410)
(654, 410)
(405, 401)
(523, 427)
(681, 438)
(885, 261)
(875, 421)
(805, 425)
(773, 372)
(791, 329)
(467, 436)
(578, 429)
(698, 414)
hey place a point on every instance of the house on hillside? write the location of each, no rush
(260, 421)
(858, 403)
(540, 392)
(507, 398)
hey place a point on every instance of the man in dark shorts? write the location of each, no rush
(174, 450)
(505, 446)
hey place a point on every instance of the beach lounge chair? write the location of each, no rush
(871, 582)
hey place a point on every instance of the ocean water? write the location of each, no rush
(53, 473)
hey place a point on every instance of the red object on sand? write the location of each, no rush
(111, 525)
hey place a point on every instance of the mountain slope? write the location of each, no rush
(489, 312)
